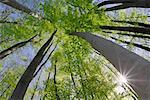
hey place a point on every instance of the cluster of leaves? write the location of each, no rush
(78, 75)
(9, 80)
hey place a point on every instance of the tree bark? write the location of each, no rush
(128, 29)
(28, 75)
(134, 67)
(125, 4)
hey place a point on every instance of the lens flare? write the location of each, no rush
(122, 79)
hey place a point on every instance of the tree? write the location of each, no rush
(28, 75)
(126, 62)
(80, 18)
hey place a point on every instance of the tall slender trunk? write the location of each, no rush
(28, 75)
(123, 4)
(55, 82)
(134, 67)
(143, 30)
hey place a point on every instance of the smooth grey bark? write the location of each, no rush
(123, 4)
(134, 67)
(28, 75)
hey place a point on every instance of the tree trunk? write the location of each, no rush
(134, 67)
(143, 30)
(123, 4)
(28, 75)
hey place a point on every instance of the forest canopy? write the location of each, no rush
(73, 49)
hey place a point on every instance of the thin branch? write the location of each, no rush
(74, 84)
(134, 44)
(55, 83)
(5, 90)
(46, 85)
(45, 60)
(134, 35)
(6, 40)
(8, 22)
(133, 23)
(13, 48)
(36, 86)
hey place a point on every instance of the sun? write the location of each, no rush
(122, 80)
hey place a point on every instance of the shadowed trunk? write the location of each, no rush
(134, 67)
(55, 82)
(128, 29)
(123, 4)
(28, 75)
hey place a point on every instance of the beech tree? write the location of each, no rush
(73, 58)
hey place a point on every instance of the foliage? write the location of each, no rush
(81, 74)
(8, 81)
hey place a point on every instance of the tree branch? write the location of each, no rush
(134, 44)
(132, 35)
(13, 48)
(45, 60)
(36, 86)
(46, 85)
(133, 23)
